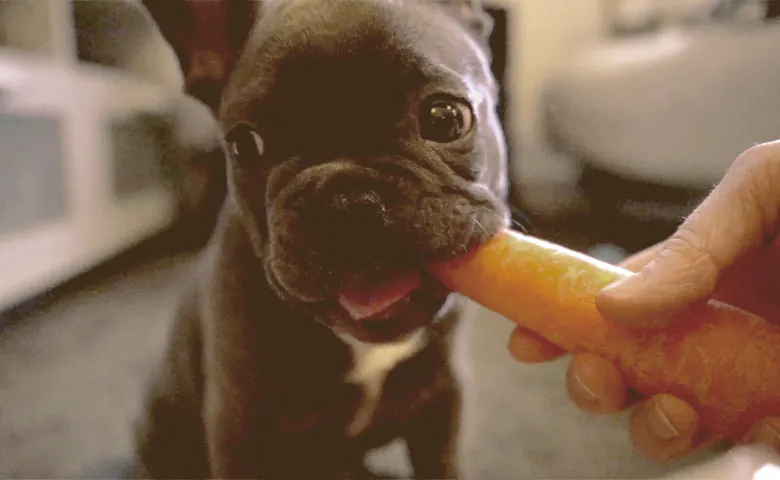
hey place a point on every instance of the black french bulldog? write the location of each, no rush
(363, 143)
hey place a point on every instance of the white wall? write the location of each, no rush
(41, 76)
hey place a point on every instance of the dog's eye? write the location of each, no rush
(444, 120)
(245, 144)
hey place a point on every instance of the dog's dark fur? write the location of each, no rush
(333, 178)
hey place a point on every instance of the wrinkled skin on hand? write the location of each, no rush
(728, 249)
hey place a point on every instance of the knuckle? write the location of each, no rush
(760, 163)
(691, 250)
(683, 242)
(762, 152)
(686, 244)
(759, 168)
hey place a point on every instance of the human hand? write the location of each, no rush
(728, 249)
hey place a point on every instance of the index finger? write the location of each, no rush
(740, 212)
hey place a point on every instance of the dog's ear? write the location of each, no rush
(472, 14)
(207, 37)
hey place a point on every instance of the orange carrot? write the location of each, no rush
(724, 361)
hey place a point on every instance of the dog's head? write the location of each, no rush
(363, 143)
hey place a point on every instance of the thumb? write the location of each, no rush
(740, 212)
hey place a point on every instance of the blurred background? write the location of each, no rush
(621, 115)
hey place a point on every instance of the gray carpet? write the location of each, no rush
(71, 370)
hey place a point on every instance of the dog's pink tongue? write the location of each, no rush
(364, 301)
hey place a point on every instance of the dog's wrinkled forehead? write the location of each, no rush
(323, 60)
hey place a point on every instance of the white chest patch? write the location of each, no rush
(372, 364)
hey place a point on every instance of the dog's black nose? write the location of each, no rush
(357, 210)
(349, 223)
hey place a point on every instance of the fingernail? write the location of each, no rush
(662, 427)
(626, 289)
(590, 394)
(767, 435)
(619, 285)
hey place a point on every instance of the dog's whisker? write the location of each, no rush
(482, 227)
(520, 220)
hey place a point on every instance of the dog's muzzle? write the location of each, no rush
(346, 209)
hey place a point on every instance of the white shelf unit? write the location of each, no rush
(79, 169)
